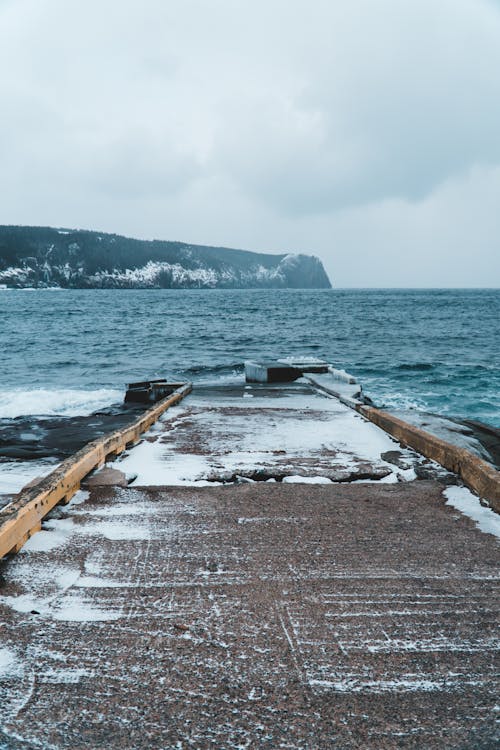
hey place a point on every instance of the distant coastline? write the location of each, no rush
(48, 258)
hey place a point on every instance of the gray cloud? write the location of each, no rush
(368, 129)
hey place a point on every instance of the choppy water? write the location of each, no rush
(73, 351)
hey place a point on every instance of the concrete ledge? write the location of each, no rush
(477, 474)
(22, 518)
(347, 392)
(270, 372)
(342, 375)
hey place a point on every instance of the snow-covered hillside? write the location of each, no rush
(44, 257)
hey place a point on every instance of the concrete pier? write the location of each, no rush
(197, 608)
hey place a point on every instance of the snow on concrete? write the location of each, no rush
(410, 683)
(96, 582)
(54, 533)
(8, 662)
(117, 531)
(72, 608)
(79, 498)
(463, 500)
(59, 593)
(64, 676)
(297, 479)
(153, 467)
(281, 427)
(75, 608)
(272, 519)
(254, 591)
(58, 531)
(119, 510)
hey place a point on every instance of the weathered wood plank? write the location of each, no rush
(22, 518)
(477, 474)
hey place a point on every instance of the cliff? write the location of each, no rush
(46, 257)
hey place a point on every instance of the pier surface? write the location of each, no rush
(208, 611)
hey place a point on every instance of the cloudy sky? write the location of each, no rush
(366, 132)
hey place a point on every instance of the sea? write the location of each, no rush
(71, 352)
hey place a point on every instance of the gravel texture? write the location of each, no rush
(254, 615)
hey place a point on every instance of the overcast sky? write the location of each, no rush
(366, 132)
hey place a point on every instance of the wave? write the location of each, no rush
(418, 366)
(214, 374)
(213, 369)
(402, 401)
(49, 403)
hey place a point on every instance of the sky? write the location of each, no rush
(366, 132)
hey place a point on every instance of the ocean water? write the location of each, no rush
(71, 352)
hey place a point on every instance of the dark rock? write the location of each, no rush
(106, 477)
(59, 437)
(396, 458)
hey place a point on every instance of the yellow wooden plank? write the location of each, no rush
(477, 474)
(23, 516)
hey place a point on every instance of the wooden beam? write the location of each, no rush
(22, 518)
(478, 475)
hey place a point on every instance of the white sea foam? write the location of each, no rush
(64, 402)
(14, 475)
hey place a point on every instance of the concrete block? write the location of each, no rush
(106, 477)
(149, 391)
(270, 372)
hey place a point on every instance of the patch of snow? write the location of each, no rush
(57, 532)
(26, 603)
(8, 662)
(78, 498)
(306, 480)
(54, 533)
(154, 468)
(463, 500)
(271, 519)
(65, 676)
(409, 684)
(64, 598)
(282, 428)
(116, 531)
(407, 475)
(67, 577)
(75, 609)
(426, 645)
(15, 274)
(95, 582)
(119, 510)
(155, 273)
(151, 273)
